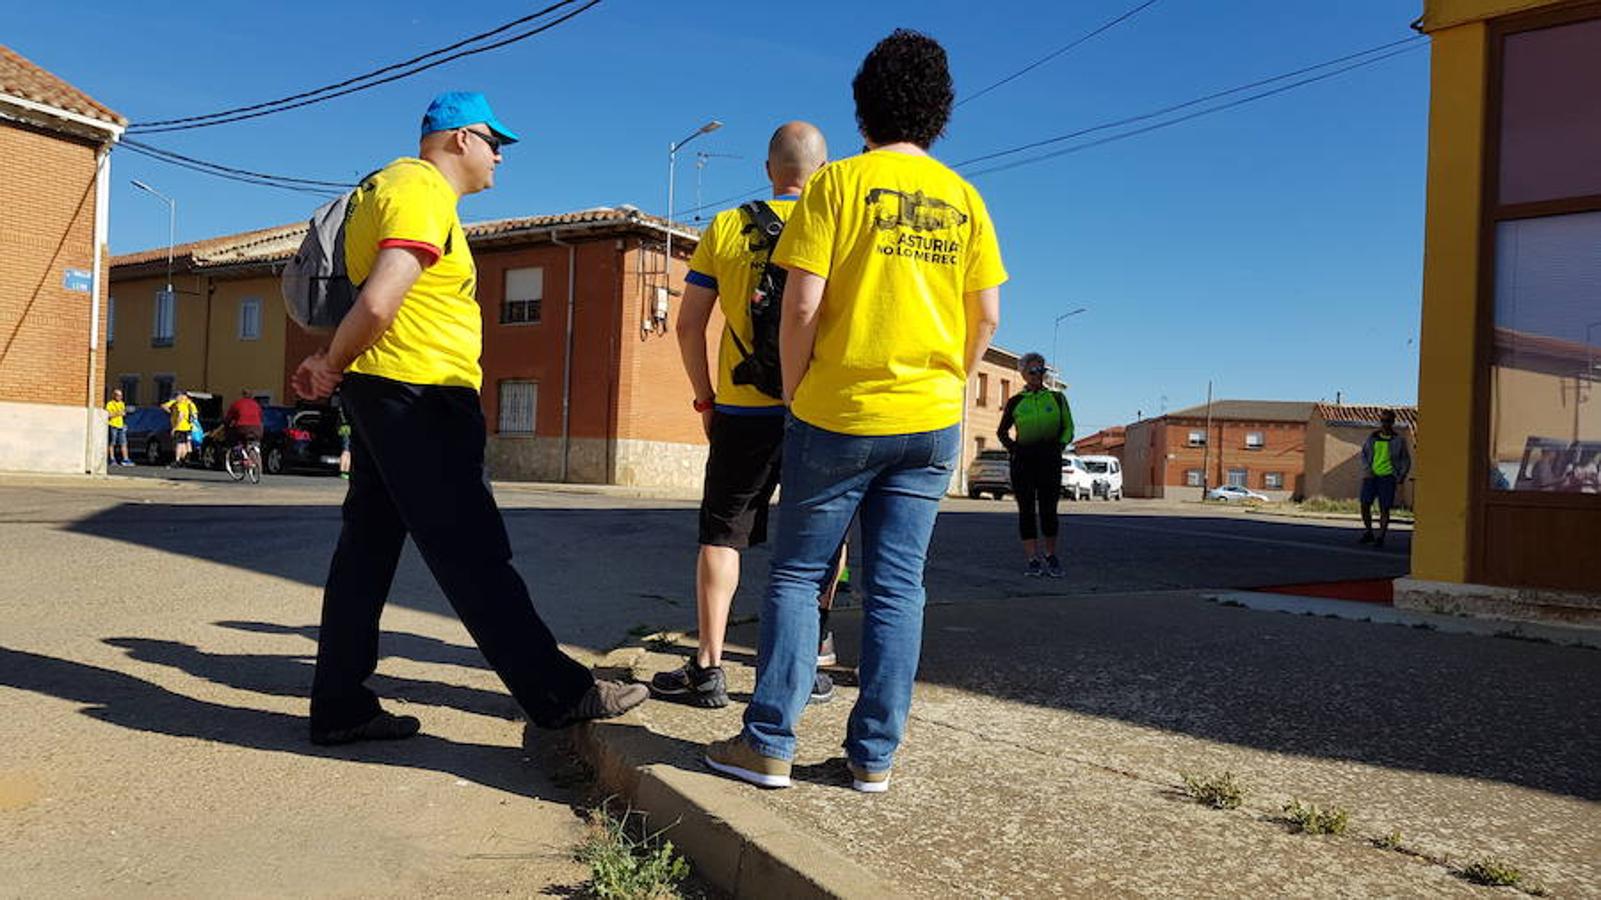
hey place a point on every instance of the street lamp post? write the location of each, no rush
(672, 170)
(172, 223)
(1056, 330)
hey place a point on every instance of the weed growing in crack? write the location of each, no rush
(1491, 873)
(625, 867)
(1309, 818)
(1219, 790)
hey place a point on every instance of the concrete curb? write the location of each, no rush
(735, 843)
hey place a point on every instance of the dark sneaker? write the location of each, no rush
(1035, 568)
(1366, 538)
(822, 689)
(385, 726)
(605, 700)
(1053, 566)
(691, 684)
(739, 759)
(825, 650)
(868, 782)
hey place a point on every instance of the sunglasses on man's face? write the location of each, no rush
(490, 139)
(1035, 370)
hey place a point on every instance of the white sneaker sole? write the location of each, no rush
(828, 660)
(871, 787)
(756, 778)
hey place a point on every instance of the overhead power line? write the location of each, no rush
(1169, 122)
(1104, 27)
(368, 80)
(1360, 58)
(260, 179)
(169, 156)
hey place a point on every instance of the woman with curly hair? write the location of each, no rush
(892, 297)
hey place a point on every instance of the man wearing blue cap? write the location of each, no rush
(405, 359)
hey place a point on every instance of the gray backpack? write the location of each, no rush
(317, 291)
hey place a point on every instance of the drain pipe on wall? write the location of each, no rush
(102, 230)
(567, 355)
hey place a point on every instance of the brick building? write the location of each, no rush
(55, 164)
(1106, 442)
(582, 376)
(1258, 444)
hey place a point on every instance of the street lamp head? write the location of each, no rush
(709, 127)
(141, 185)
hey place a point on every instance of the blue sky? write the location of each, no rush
(1275, 249)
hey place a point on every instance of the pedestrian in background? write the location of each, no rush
(185, 417)
(1043, 423)
(116, 429)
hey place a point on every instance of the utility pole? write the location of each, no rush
(1206, 445)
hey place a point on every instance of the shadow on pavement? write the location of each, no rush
(1480, 707)
(290, 676)
(139, 705)
(403, 644)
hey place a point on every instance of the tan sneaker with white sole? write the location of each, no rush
(868, 782)
(739, 759)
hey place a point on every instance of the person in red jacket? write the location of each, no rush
(243, 419)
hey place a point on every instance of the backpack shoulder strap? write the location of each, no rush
(767, 222)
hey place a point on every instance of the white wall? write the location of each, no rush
(39, 437)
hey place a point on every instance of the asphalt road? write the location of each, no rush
(602, 564)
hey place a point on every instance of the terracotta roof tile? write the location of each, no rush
(1250, 410)
(21, 78)
(1366, 415)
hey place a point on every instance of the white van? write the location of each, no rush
(1077, 482)
(1107, 473)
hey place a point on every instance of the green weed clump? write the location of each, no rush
(1309, 818)
(1219, 790)
(1391, 841)
(1491, 873)
(623, 867)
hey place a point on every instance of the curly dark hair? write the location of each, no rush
(903, 90)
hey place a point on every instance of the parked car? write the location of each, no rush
(1107, 472)
(305, 438)
(1232, 493)
(1077, 482)
(990, 472)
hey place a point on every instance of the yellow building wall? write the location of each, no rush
(235, 363)
(131, 352)
(1447, 357)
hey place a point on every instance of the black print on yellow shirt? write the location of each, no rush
(894, 212)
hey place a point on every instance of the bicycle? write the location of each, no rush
(244, 461)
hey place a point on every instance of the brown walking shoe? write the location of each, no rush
(741, 760)
(605, 700)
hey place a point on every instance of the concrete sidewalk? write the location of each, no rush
(1048, 737)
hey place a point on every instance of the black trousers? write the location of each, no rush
(1037, 485)
(417, 457)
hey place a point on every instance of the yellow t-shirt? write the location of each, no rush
(115, 410)
(181, 410)
(900, 239)
(725, 262)
(438, 333)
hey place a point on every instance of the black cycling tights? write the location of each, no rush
(1037, 484)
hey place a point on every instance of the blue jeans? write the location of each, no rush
(896, 482)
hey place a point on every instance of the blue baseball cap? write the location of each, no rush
(458, 109)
